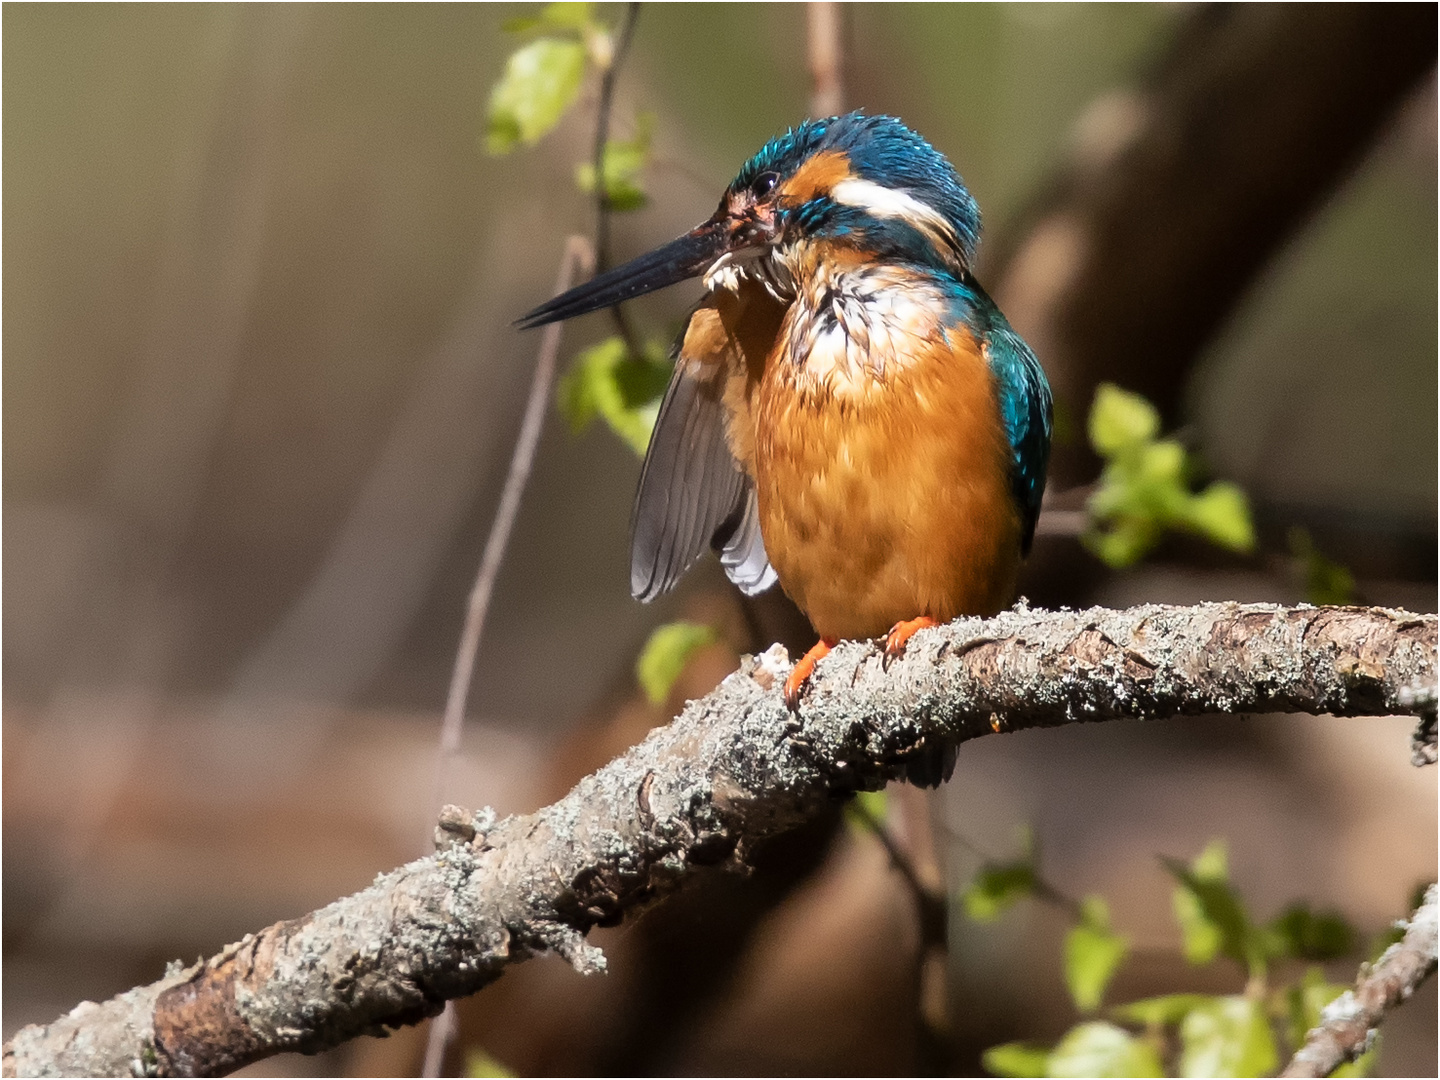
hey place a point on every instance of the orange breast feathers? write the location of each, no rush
(882, 469)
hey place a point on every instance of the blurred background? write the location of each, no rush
(261, 388)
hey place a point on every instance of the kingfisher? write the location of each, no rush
(849, 414)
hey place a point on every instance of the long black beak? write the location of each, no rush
(691, 254)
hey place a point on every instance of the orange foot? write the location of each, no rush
(901, 632)
(803, 669)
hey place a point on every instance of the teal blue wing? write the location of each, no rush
(1025, 408)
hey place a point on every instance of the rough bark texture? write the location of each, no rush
(1348, 1024)
(735, 767)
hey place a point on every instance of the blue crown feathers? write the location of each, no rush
(884, 151)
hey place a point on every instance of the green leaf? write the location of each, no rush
(641, 380)
(1141, 493)
(540, 82)
(666, 653)
(1212, 919)
(1160, 475)
(622, 192)
(1326, 582)
(559, 16)
(1364, 1065)
(1212, 864)
(1202, 937)
(1230, 1036)
(867, 811)
(1015, 1059)
(1120, 419)
(1160, 1011)
(623, 390)
(1303, 1002)
(1092, 953)
(621, 163)
(998, 885)
(1221, 514)
(1144, 488)
(1307, 935)
(1125, 542)
(996, 888)
(1100, 1049)
(480, 1063)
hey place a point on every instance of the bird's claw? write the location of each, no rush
(801, 672)
(899, 634)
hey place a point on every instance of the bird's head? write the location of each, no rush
(864, 182)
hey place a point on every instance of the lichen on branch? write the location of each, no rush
(734, 768)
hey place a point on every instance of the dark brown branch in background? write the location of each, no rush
(1348, 1024)
(912, 854)
(1179, 193)
(734, 768)
(827, 96)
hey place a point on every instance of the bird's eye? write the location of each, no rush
(764, 184)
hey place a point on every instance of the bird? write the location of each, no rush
(850, 415)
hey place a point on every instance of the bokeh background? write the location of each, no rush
(260, 389)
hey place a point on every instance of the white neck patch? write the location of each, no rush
(851, 331)
(884, 202)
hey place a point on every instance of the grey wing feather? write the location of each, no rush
(743, 555)
(693, 496)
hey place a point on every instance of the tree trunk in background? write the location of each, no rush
(1175, 198)
(1177, 195)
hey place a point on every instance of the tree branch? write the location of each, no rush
(1348, 1024)
(735, 767)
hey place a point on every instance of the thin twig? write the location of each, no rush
(913, 857)
(576, 260)
(579, 258)
(602, 136)
(1348, 1024)
(899, 858)
(602, 189)
(827, 97)
(932, 958)
(1040, 888)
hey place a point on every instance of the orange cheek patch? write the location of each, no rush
(817, 176)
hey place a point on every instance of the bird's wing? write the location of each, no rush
(1025, 408)
(696, 490)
